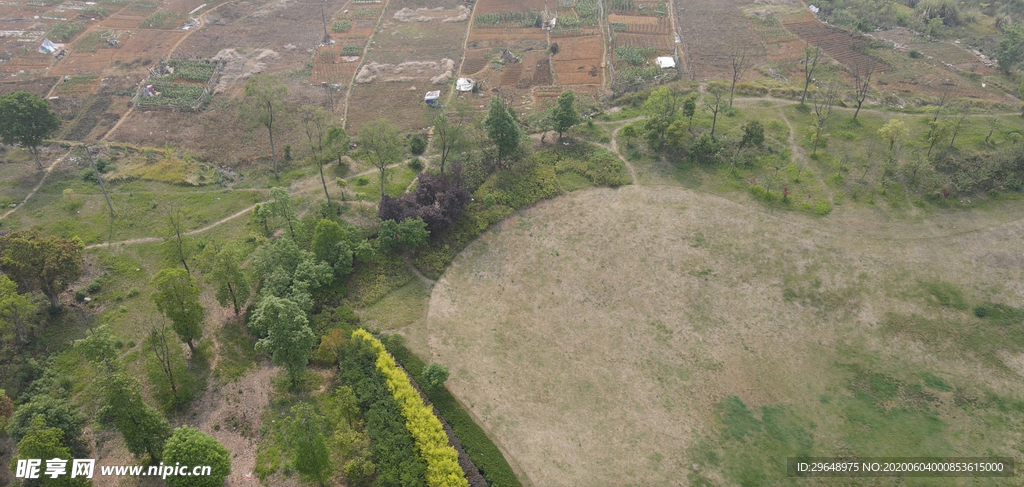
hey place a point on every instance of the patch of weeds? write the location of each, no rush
(236, 354)
(945, 294)
(935, 382)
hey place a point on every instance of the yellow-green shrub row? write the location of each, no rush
(442, 461)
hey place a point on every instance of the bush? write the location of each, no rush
(415, 164)
(417, 145)
(442, 461)
(435, 376)
(133, 292)
(93, 287)
(362, 181)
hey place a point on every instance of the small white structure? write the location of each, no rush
(432, 97)
(48, 47)
(666, 62)
(464, 84)
(814, 9)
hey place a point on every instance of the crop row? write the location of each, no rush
(171, 94)
(191, 70)
(526, 19)
(441, 459)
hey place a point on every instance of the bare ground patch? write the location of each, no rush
(595, 336)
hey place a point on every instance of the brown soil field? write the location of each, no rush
(578, 61)
(400, 102)
(491, 6)
(476, 61)
(596, 336)
(787, 50)
(639, 24)
(36, 86)
(517, 39)
(84, 63)
(661, 42)
(712, 32)
(835, 42)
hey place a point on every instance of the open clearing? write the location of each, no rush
(647, 335)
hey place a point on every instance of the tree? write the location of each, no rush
(281, 205)
(16, 312)
(337, 142)
(56, 412)
(961, 116)
(564, 116)
(305, 431)
(936, 132)
(99, 179)
(739, 66)
(689, 109)
(435, 376)
(862, 84)
(714, 104)
(263, 105)
(288, 337)
(49, 264)
(177, 297)
(26, 120)
(811, 58)
(409, 233)
(502, 129)
(165, 362)
(892, 134)
(332, 245)
(1010, 51)
(189, 446)
(144, 429)
(753, 134)
(43, 442)
(948, 91)
(823, 103)
(381, 144)
(316, 124)
(178, 245)
(231, 281)
(629, 132)
(448, 137)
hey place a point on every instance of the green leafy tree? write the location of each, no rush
(893, 133)
(26, 120)
(753, 135)
(380, 143)
(263, 105)
(938, 130)
(410, 233)
(16, 312)
(629, 132)
(177, 297)
(305, 431)
(282, 206)
(288, 337)
(689, 109)
(663, 105)
(564, 115)
(189, 446)
(144, 429)
(1010, 51)
(42, 442)
(289, 272)
(502, 129)
(449, 137)
(435, 375)
(261, 215)
(332, 245)
(99, 348)
(6, 410)
(56, 412)
(227, 274)
(49, 264)
(337, 142)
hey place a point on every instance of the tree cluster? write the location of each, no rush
(437, 201)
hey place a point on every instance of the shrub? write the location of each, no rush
(416, 164)
(435, 376)
(93, 287)
(417, 144)
(133, 292)
(442, 461)
(362, 181)
(330, 345)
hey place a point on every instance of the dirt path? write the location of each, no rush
(39, 185)
(465, 44)
(352, 82)
(614, 145)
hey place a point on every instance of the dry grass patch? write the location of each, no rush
(641, 336)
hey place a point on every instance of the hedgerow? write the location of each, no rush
(441, 460)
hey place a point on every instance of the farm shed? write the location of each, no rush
(432, 97)
(666, 62)
(464, 84)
